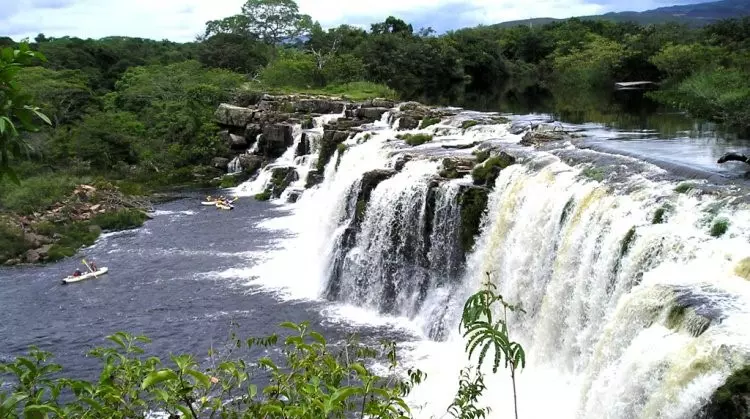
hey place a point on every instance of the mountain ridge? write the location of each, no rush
(696, 14)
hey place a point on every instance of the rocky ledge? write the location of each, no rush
(67, 225)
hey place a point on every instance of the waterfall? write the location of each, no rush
(626, 314)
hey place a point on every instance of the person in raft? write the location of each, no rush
(93, 266)
(77, 273)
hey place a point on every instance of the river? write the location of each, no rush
(599, 278)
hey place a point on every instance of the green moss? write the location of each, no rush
(684, 187)
(428, 122)
(123, 219)
(341, 148)
(287, 107)
(729, 400)
(360, 210)
(627, 241)
(500, 120)
(416, 139)
(449, 170)
(469, 124)
(659, 216)
(743, 268)
(263, 196)
(481, 155)
(593, 173)
(720, 227)
(675, 317)
(473, 204)
(486, 173)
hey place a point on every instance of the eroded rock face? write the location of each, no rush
(275, 140)
(250, 163)
(321, 106)
(235, 116)
(281, 178)
(372, 114)
(473, 201)
(303, 148)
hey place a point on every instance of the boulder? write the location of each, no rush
(220, 163)
(401, 161)
(275, 140)
(534, 138)
(237, 141)
(31, 256)
(246, 98)
(371, 114)
(407, 122)
(44, 251)
(250, 163)
(519, 127)
(234, 116)
(383, 103)
(251, 133)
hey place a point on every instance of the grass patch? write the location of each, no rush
(481, 155)
(416, 139)
(469, 124)
(123, 219)
(263, 196)
(12, 243)
(36, 193)
(358, 90)
(719, 227)
(684, 187)
(428, 122)
(593, 173)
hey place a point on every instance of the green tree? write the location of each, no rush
(679, 61)
(234, 52)
(17, 114)
(271, 21)
(63, 95)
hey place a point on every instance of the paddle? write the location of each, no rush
(87, 265)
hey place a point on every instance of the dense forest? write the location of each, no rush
(141, 110)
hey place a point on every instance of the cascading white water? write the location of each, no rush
(623, 318)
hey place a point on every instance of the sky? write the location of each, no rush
(183, 20)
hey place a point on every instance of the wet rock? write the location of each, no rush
(281, 178)
(461, 146)
(251, 133)
(372, 114)
(275, 140)
(235, 116)
(303, 148)
(408, 122)
(35, 240)
(293, 197)
(456, 167)
(731, 400)
(328, 145)
(237, 141)
(369, 182)
(486, 173)
(246, 98)
(518, 127)
(383, 103)
(220, 163)
(544, 134)
(313, 178)
(322, 106)
(401, 162)
(473, 201)
(250, 163)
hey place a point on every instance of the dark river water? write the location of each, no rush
(164, 282)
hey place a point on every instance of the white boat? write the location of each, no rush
(85, 276)
(208, 202)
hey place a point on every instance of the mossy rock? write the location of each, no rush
(468, 124)
(263, 196)
(281, 178)
(659, 216)
(341, 149)
(684, 187)
(627, 242)
(416, 139)
(719, 227)
(429, 121)
(369, 182)
(593, 173)
(732, 399)
(473, 203)
(481, 155)
(486, 173)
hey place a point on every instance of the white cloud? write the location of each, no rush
(182, 20)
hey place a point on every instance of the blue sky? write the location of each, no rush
(182, 20)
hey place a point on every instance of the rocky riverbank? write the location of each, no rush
(59, 231)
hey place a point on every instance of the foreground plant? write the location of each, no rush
(313, 379)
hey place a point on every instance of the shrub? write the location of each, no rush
(416, 139)
(36, 193)
(12, 242)
(428, 122)
(719, 227)
(229, 181)
(120, 220)
(263, 196)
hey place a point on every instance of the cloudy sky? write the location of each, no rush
(182, 20)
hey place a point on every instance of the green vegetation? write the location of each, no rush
(73, 236)
(468, 124)
(719, 227)
(473, 203)
(429, 122)
(36, 193)
(627, 242)
(486, 173)
(263, 196)
(310, 379)
(729, 400)
(481, 155)
(123, 219)
(341, 149)
(416, 139)
(593, 173)
(659, 216)
(229, 181)
(684, 187)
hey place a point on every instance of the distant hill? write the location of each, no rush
(692, 14)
